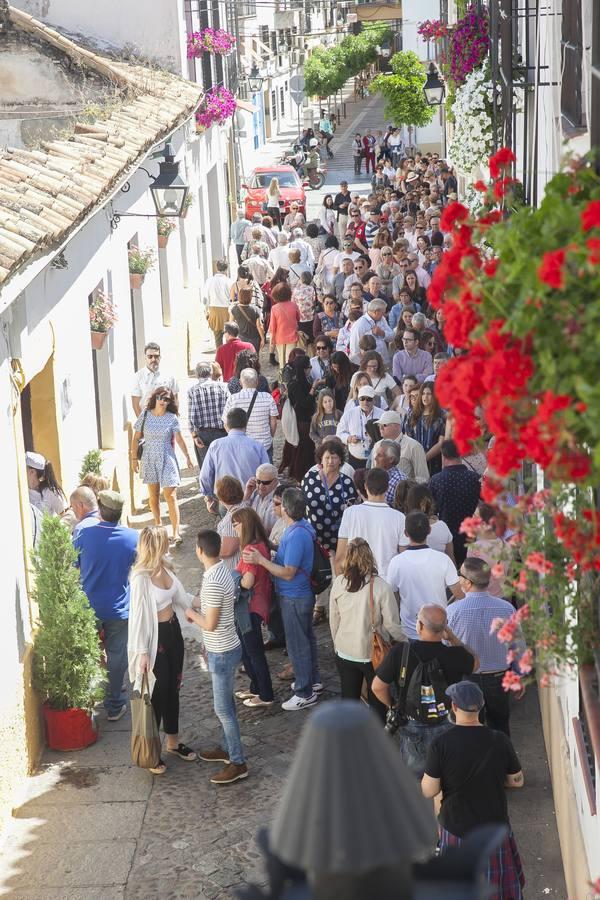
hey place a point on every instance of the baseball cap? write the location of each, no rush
(35, 460)
(390, 417)
(111, 500)
(466, 695)
(366, 391)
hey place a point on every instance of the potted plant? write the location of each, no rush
(67, 671)
(187, 203)
(91, 463)
(164, 227)
(103, 316)
(140, 262)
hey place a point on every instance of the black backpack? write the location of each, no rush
(426, 700)
(320, 576)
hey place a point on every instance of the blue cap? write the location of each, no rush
(466, 695)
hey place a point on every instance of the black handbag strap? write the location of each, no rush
(144, 421)
(251, 407)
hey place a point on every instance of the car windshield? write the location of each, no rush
(286, 179)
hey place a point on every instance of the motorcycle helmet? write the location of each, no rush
(313, 142)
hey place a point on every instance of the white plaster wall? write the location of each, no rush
(155, 30)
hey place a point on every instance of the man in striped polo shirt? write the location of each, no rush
(215, 618)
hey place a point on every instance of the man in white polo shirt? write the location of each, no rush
(149, 378)
(420, 575)
(352, 427)
(381, 526)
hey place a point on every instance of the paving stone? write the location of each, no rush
(76, 784)
(75, 865)
(64, 893)
(111, 821)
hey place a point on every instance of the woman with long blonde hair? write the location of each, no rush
(155, 644)
(273, 199)
(360, 601)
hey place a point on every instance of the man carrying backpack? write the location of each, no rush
(430, 667)
(293, 571)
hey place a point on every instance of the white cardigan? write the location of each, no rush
(143, 622)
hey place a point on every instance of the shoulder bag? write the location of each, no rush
(380, 647)
(145, 739)
(251, 407)
(142, 441)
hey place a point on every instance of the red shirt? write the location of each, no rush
(227, 353)
(261, 592)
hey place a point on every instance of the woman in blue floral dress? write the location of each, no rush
(159, 427)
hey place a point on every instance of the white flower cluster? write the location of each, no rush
(473, 200)
(472, 141)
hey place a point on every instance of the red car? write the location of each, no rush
(259, 180)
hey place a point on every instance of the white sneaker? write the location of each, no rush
(317, 686)
(296, 702)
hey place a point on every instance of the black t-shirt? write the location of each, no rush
(454, 662)
(472, 777)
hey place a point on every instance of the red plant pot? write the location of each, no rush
(136, 280)
(69, 729)
(98, 339)
(162, 241)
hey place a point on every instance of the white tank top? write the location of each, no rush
(163, 596)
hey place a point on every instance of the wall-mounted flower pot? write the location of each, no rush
(162, 241)
(136, 280)
(69, 729)
(98, 339)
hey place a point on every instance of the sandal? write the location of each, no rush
(159, 769)
(286, 674)
(245, 695)
(254, 702)
(177, 541)
(319, 616)
(183, 752)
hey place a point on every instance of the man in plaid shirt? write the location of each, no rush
(206, 402)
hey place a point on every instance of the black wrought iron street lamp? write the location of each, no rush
(433, 88)
(255, 79)
(168, 189)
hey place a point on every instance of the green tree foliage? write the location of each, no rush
(405, 102)
(91, 462)
(326, 71)
(67, 670)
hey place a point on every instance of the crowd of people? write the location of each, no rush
(369, 486)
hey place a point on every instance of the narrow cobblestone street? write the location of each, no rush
(93, 827)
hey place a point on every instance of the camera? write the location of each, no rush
(394, 719)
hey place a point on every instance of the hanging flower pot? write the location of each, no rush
(136, 280)
(69, 729)
(164, 227)
(98, 339)
(189, 200)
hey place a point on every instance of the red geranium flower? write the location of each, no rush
(590, 217)
(453, 213)
(481, 186)
(551, 270)
(500, 160)
(593, 245)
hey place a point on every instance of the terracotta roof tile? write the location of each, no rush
(46, 192)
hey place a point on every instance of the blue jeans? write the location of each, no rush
(222, 667)
(115, 645)
(297, 613)
(415, 740)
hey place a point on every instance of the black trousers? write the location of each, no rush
(351, 680)
(167, 669)
(496, 711)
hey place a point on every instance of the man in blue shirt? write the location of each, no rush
(471, 620)
(84, 506)
(291, 571)
(236, 455)
(106, 553)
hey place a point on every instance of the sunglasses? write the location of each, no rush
(321, 347)
(270, 481)
(365, 399)
(164, 399)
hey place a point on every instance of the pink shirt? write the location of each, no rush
(284, 322)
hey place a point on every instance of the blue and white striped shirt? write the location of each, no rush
(470, 620)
